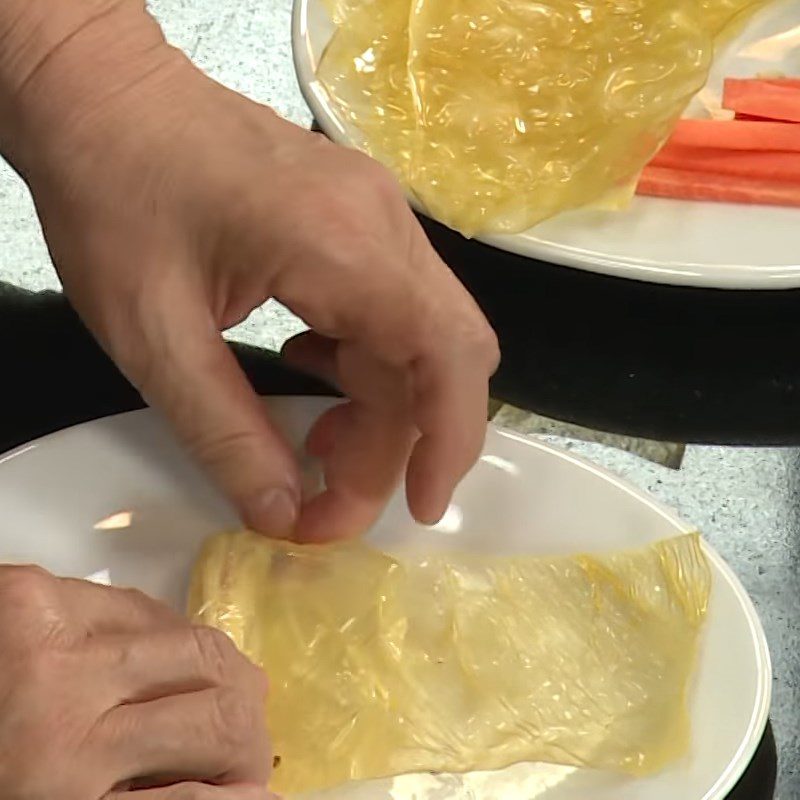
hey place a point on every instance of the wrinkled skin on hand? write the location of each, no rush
(173, 207)
(106, 694)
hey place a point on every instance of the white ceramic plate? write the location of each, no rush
(117, 500)
(664, 241)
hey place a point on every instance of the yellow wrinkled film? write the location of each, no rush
(382, 666)
(498, 114)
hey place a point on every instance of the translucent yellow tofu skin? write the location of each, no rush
(381, 666)
(498, 114)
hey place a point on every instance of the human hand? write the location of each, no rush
(104, 691)
(173, 207)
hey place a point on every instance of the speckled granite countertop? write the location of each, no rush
(746, 501)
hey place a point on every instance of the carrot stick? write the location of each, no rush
(791, 83)
(751, 118)
(685, 185)
(779, 167)
(762, 99)
(737, 135)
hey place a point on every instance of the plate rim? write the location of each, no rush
(731, 277)
(760, 714)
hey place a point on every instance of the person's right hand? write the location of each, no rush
(106, 694)
(173, 207)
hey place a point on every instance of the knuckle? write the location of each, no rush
(25, 583)
(135, 596)
(28, 602)
(481, 340)
(215, 651)
(236, 721)
(340, 222)
(490, 347)
(137, 599)
(148, 607)
(379, 181)
(255, 684)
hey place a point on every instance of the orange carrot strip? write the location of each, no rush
(737, 135)
(779, 167)
(751, 118)
(685, 185)
(762, 99)
(791, 83)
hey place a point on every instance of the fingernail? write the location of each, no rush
(273, 512)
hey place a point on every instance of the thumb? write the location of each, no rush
(187, 372)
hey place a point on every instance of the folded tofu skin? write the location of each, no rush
(498, 114)
(385, 665)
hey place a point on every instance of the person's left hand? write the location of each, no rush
(106, 694)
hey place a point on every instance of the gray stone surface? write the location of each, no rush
(668, 454)
(745, 501)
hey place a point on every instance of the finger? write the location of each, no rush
(196, 791)
(141, 668)
(423, 321)
(322, 437)
(363, 462)
(108, 609)
(212, 735)
(193, 378)
(335, 515)
(310, 352)
(447, 390)
(451, 399)
(451, 411)
(364, 445)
